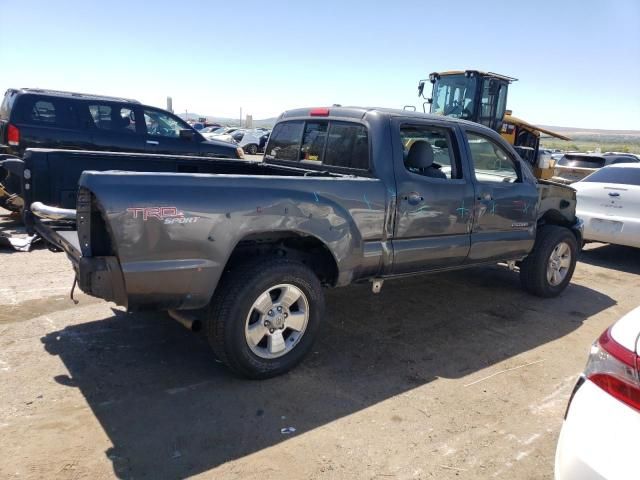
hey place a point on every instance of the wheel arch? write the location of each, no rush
(308, 249)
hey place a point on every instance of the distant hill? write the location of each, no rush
(592, 131)
(231, 122)
(593, 139)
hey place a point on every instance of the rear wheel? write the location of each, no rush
(251, 149)
(264, 317)
(549, 267)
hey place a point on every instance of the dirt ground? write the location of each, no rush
(459, 375)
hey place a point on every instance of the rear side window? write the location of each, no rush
(618, 175)
(330, 143)
(46, 111)
(433, 145)
(43, 111)
(113, 117)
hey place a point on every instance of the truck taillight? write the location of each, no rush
(615, 370)
(319, 112)
(13, 135)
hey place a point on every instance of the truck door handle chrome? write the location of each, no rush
(153, 142)
(413, 198)
(485, 196)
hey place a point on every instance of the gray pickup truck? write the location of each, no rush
(343, 195)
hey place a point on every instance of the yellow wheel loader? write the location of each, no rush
(481, 97)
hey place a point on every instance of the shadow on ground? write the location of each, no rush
(616, 257)
(172, 411)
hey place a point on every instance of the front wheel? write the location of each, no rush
(264, 317)
(548, 269)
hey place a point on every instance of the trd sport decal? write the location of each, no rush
(168, 215)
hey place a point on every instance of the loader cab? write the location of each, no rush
(470, 95)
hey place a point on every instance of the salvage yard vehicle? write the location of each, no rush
(599, 436)
(343, 195)
(573, 167)
(609, 204)
(36, 118)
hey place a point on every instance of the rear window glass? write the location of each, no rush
(285, 141)
(315, 135)
(581, 162)
(330, 143)
(347, 146)
(618, 175)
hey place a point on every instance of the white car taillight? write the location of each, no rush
(615, 370)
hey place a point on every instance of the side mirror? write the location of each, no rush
(187, 134)
(421, 88)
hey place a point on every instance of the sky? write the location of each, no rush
(578, 62)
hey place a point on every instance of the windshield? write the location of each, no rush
(453, 96)
(618, 175)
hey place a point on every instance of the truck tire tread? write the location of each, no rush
(230, 306)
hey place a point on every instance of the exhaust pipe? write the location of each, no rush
(41, 210)
(187, 320)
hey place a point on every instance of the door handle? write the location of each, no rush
(485, 196)
(614, 194)
(413, 198)
(153, 142)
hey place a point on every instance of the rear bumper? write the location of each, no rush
(598, 439)
(628, 235)
(96, 276)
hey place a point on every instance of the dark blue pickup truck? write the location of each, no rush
(343, 195)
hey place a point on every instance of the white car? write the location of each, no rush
(217, 133)
(608, 202)
(573, 167)
(599, 437)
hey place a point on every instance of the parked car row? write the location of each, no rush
(252, 140)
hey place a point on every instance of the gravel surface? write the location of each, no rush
(457, 375)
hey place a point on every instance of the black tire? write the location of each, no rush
(233, 301)
(252, 149)
(533, 269)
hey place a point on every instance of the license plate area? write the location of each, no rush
(606, 226)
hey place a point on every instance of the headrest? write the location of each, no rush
(420, 155)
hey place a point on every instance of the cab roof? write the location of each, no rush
(64, 94)
(359, 113)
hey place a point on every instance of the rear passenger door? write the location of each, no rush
(115, 127)
(506, 200)
(434, 198)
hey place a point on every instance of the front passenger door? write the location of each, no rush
(163, 134)
(504, 219)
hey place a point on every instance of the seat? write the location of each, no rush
(420, 160)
